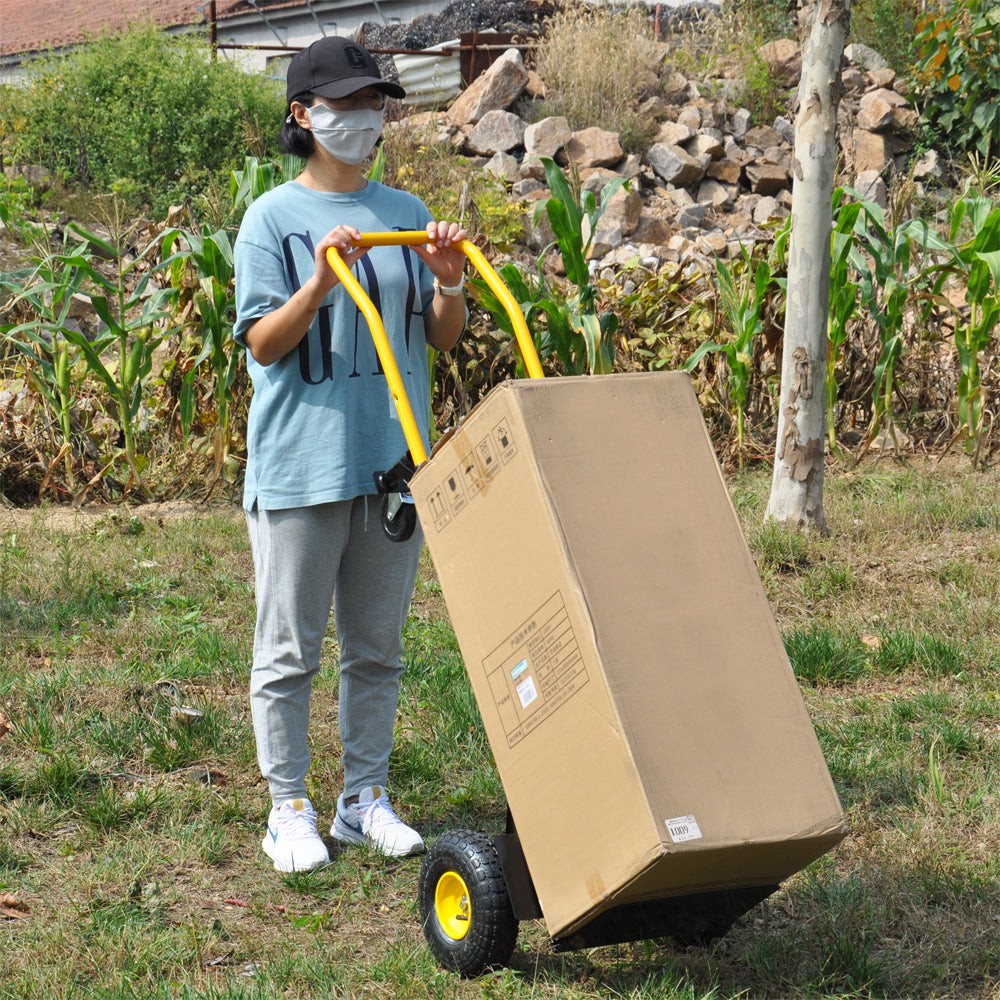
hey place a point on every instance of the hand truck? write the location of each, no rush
(475, 888)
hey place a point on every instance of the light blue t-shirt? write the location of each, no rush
(322, 419)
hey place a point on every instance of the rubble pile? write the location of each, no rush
(710, 181)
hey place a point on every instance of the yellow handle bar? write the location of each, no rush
(410, 429)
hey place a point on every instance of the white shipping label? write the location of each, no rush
(683, 828)
(526, 691)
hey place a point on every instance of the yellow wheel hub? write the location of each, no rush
(451, 903)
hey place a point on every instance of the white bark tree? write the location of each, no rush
(797, 486)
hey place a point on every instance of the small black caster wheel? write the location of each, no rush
(464, 906)
(399, 516)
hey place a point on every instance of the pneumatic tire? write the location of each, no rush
(465, 909)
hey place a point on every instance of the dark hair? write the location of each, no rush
(294, 138)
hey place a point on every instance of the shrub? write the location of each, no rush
(957, 74)
(578, 41)
(887, 26)
(144, 115)
(450, 186)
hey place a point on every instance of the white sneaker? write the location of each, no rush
(371, 820)
(292, 840)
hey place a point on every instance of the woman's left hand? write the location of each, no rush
(441, 253)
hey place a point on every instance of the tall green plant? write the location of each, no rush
(980, 260)
(120, 356)
(568, 322)
(896, 267)
(47, 293)
(843, 301)
(742, 297)
(207, 258)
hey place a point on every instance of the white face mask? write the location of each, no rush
(348, 135)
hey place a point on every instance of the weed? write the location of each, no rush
(824, 656)
(133, 840)
(577, 40)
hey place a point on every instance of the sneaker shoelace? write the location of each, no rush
(378, 816)
(298, 824)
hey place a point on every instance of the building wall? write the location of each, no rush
(296, 29)
(261, 34)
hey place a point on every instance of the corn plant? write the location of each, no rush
(47, 294)
(200, 266)
(843, 302)
(260, 176)
(742, 298)
(896, 267)
(571, 325)
(980, 259)
(121, 356)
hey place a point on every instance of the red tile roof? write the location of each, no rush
(32, 25)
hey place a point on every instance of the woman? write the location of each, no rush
(321, 422)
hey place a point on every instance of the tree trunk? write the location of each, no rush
(797, 486)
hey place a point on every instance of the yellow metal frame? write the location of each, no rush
(384, 349)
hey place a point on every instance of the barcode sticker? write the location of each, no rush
(527, 691)
(683, 828)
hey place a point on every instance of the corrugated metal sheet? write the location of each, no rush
(431, 81)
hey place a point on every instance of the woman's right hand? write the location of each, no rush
(341, 237)
(279, 332)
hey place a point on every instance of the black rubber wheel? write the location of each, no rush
(398, 527)
(464, 906)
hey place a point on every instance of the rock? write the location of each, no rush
(870, 151)
(529, 189)
(854, 80)
(928, 167)
(495, 132)
(594, 147)
(674, 164)
(535, 87)
(504, 166)
(496, 90)
(762, 136)
(884, 77)
(36, 175)
(741, 122)
(675, 88)
(864, 56)
(532, 166)
(704, 145)
(725, 171)
(690, 116)
(714, 193)
(871, 187)
(546, 137)
(875, 111)
(625, 207)
(767, 178)
(785, 128)
(905, 120)
(674, 133)
(765, 209)
(784, 59)
(692, 217)
(652, 227)
(631, 166)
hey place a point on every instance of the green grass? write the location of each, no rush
(131, 833)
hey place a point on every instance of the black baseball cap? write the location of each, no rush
(335, 67)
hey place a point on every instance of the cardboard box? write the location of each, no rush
(648, 729)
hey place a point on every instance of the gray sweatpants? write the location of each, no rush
(304, 559)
